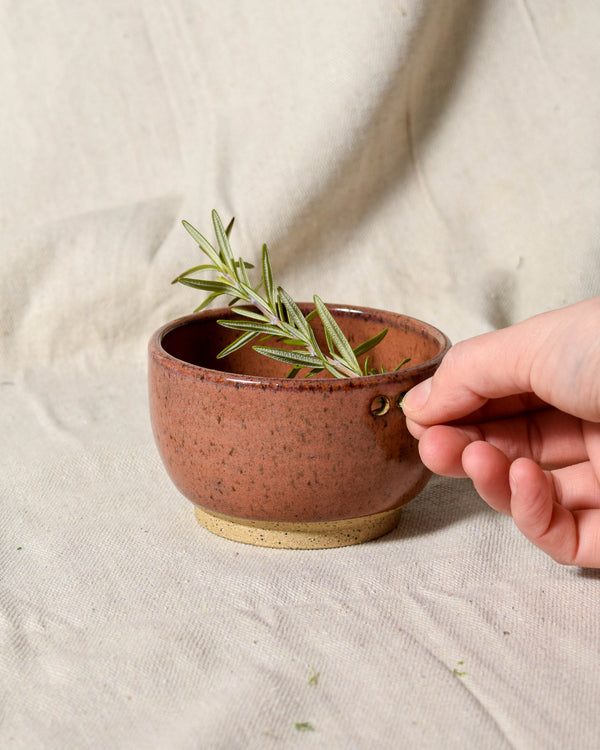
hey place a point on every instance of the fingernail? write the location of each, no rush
(512, 480)
(417, 397)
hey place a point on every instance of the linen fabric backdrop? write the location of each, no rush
(436, 158)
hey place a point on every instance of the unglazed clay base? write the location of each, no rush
(299, 534)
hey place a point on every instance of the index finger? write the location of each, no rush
(554, 356)
(473, 372)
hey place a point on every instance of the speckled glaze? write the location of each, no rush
(254, 450)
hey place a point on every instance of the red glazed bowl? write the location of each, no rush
(302, 463)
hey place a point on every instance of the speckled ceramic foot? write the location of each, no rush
(300, 534)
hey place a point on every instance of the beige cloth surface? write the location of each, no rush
(439, 158)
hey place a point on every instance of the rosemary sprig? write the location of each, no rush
(267, 311)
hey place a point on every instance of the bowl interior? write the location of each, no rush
(197, 340)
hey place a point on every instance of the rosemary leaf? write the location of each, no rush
(224, 246)
(207, 301)
(366, 346)
(244, 339)
(195, 269)
(267, 270)
(333, 368)
(295, 358)
(335, 334)
(246, 313)
(250, 325)
(292, 342)
(243, 273)
(204, 244)
(279, 305)
(210, 286)
(252, 295)
(294, 313)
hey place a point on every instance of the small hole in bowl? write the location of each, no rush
(380, 405)
(400, 399)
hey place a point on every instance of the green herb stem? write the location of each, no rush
(277, 316)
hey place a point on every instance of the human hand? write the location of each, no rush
(518, 411)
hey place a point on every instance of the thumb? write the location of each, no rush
(471, 373)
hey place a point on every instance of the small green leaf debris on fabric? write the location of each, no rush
(314, 677)
(273, 315)
(457, 672)
(304, 726)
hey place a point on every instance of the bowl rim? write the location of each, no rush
(158, 353)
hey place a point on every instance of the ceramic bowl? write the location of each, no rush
(299, 463)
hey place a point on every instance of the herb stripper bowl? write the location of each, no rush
(297, 463)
